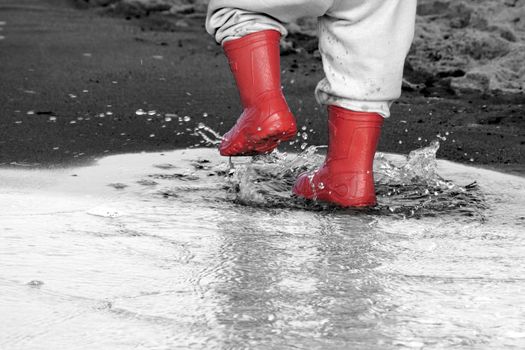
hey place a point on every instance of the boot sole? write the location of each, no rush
(256, 145)
(271, 142)
(263, 146)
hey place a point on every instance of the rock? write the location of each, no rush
(102, 2)
(484, 39)
(35, 283)
(148, 5)
(182, 9)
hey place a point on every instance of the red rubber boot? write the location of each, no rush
(266, 120)
(346, 177)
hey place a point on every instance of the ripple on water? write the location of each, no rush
(200, 253)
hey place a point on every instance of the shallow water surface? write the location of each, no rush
(183, 250)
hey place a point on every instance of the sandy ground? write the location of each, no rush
(62, 66)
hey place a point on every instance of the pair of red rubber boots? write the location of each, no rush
(346, 177)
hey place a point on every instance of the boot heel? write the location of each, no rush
(278, 127)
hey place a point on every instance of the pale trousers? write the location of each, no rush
(363, 43)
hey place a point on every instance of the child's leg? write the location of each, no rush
(363, 45)
(249, 32)
(233, 19)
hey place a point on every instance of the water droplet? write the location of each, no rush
(304, 136)
(201, 126)
(152, 112)
(320, 185)
(205, 115)
(303, 128)
(304, 145)
(186, 118)
(52, 119)
(140, 112)
(152, 135)
(167, 119)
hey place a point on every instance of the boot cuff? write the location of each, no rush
(250, 39)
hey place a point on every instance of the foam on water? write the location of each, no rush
(184, 250)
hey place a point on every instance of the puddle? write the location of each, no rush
(184, 250)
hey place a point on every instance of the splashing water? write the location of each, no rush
(409, 186)
(207, 134)
(412, 187)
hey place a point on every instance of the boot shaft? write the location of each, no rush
(255, 63)
(353, 138)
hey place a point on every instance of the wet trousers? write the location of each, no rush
(363, 43)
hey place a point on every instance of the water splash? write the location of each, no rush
(414, 187)
(420, 167)
(208, 135)
(411, 188)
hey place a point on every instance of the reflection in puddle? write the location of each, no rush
(183, 250)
